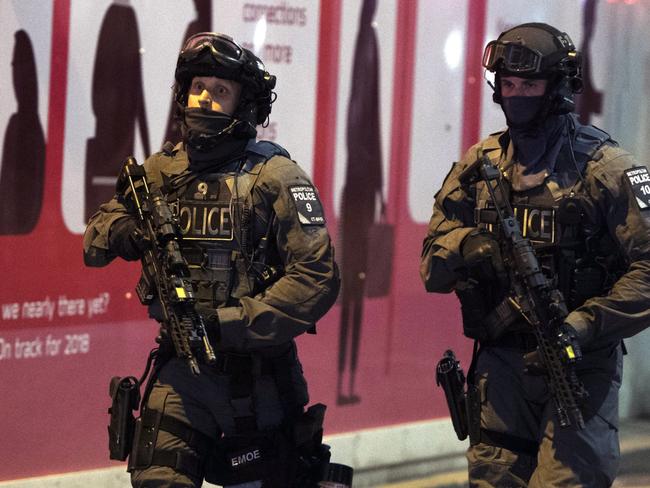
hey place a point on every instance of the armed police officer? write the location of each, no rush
(261, 269)
(579, 199)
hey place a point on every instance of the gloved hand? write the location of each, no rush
(570, 352)
(567, 341)
(482, 256)
(126, 239)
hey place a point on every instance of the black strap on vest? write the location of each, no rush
(588, 139)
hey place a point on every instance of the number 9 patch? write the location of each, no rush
(308, 206)
(640, 181)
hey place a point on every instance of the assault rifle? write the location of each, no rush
(541, 305)
(165, 274)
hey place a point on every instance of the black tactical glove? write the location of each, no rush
(482, 257)
(567, 341)
(126, 239)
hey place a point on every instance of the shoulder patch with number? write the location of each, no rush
(639, 179)
(308, 206)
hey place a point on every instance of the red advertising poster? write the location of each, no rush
(65, 330)
(376, 98)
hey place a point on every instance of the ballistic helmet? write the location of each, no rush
(537, 50)
(214, 54)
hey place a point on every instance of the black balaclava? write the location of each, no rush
(537, 138)
(211, 138)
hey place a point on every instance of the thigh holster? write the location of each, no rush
(190, 461)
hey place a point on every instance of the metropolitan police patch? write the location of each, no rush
(308, 206)
(640, 181)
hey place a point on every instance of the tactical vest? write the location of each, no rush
(572, 244)
(221, 229)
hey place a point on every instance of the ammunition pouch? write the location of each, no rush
(125, 395)
(486, 314)
(586, 282)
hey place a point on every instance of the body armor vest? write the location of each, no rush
(573, 247)
(221, 226)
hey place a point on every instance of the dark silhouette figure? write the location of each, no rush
(590, 101)
(202, 23)
(118, 103)
(362, 190)
(22, 173)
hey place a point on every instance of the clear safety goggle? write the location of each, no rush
(516, 58)
(223, 49)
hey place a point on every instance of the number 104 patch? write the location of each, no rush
(308, 206)
(640, 181)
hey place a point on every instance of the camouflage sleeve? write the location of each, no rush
(97, 251)
(452, 220)
(310, 283)
(96, 248)
(625, 310)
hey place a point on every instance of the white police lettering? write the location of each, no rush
(308, 206)
(244, 458)
(640, 181)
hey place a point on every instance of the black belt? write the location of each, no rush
(235, 364)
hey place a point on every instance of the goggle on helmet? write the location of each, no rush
(517, 58)
(215, 54)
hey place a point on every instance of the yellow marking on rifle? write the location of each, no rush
(570, 353)
(180, 291)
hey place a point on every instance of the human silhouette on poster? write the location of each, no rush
(361, 193)
(117, 102)
(202, 23)
(590, 101)
(22, 170)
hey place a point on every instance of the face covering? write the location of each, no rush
(521, 112)
(538, 145)
(211, 137)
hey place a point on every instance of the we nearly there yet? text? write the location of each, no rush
(48, 308)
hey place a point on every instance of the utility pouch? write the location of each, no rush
(473, 311)
(473, 408)
(451, 378)
(125, 395)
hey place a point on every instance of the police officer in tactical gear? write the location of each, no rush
(580, 200)
(262, 269)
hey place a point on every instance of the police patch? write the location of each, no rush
(308, 206)
(640, 181)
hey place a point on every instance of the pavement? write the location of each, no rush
(634, 471)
